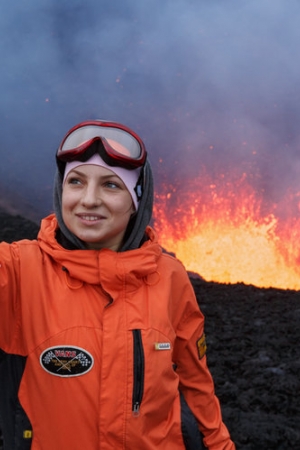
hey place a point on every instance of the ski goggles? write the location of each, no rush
(120, 145)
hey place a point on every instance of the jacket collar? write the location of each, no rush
(106, 267)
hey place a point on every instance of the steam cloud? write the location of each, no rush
(206, 84)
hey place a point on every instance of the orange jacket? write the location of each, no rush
(102, 331)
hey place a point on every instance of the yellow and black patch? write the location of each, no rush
(201, 346)
(27, 434)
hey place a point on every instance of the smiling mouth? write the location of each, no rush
(90, 218)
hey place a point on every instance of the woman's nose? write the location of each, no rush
(91, 197)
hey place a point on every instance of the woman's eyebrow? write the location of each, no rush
(76, 171)
(83, 174)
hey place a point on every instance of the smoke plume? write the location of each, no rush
(209, 86)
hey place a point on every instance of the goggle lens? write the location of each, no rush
(121, 141)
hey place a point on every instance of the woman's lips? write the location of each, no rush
(90, 218)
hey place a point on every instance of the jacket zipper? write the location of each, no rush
(138, 371)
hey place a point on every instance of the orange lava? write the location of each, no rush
(225, 233)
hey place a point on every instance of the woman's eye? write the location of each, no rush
(73, 180)
(112, 185)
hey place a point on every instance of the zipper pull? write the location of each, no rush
(136, 409)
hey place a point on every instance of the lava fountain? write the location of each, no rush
(225, 231)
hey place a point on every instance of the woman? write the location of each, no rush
(109, 324)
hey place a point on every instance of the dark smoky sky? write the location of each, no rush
(213, 84)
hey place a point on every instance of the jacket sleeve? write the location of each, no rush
(10, 317)
(196, 382)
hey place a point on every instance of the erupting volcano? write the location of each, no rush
(226, 231)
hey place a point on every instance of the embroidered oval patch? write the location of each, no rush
(66, 361)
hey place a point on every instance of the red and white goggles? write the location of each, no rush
(120, 145)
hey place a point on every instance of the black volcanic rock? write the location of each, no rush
(253, 353)
(13, 228)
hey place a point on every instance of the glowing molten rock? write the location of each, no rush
(221, 233)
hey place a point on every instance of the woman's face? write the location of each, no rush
(96, 206)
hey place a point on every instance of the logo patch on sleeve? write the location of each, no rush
(201, 346)
(27, 434)
(66, 361)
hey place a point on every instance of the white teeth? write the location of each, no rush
(90, 218)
